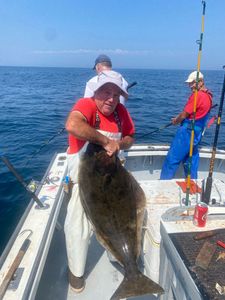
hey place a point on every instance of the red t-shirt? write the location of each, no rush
(204, 103)
(88, 108)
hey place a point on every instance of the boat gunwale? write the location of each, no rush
(24, 216)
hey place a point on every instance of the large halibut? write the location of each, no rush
(114, 203)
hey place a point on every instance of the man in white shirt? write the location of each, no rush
(102, 63)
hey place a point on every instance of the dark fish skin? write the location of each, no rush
(114, 203)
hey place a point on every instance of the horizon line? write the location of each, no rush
(128, 68)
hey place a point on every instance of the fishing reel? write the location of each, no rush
(33, 186)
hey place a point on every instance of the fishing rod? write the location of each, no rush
(60, 132)
(156, 130)
(206, 193)
(21, 180)
(131, 85)
(195, 106)
(165, 126)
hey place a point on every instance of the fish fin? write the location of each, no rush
(136, 286)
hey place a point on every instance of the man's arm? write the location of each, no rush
(126, 142)
(178, 119)
(77, 125)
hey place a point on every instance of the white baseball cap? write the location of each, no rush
(109, 76)
(193, 76)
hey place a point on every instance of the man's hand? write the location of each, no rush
(174, 121)
(178, 119)
(112, 147)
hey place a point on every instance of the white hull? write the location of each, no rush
(144, 161)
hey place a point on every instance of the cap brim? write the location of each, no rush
(189, 80)
(97, 86)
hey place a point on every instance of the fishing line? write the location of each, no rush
(194, 107)
(43, 145)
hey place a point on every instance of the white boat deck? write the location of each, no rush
(102, 276)
(102, 281)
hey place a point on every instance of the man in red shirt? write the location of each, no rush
(104, 121)
(179, 149)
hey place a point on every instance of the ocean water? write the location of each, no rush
(35, 102)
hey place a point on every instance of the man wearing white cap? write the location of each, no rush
(103, 120)
(179, 149)
(102, 63)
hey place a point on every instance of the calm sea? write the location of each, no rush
(35, 102)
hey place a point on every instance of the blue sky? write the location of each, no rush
(158, 34)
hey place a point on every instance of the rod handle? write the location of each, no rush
(207, 191)
(20, 179)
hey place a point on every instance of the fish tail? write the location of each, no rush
(136, 285)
